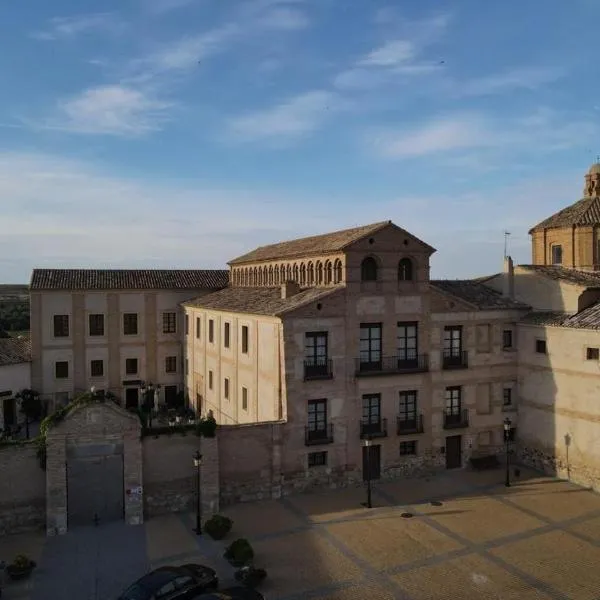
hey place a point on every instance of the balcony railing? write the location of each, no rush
(455, 359)
(320, 368)
(392, 365)
(456, 419)
(409, 426)
(373, 429)
(314, 437)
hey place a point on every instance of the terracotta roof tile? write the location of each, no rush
(128, 279)
(259, 300)
(583, 278)
(589, 318)
(583, 212)
(476, 293)
(316, 244)
(14, 350)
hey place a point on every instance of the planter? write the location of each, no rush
(250, 576)
(19, 573)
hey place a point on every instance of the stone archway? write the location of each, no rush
(94, 468)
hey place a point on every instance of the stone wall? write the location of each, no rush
(22, 489)
(170, 476)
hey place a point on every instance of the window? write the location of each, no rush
(226, 388)
(405, 270)
(540, 346)
(371, 409)
(368, 269)
(97, 368)
(317, 459)
(61, 369)
(453, 401)
(452, 341)
(187, 324)
(507, 396)
(170, 322)
(130, 323)
(61, 325)
(131, 366)
(370, 345)
(170, 364)
(184, 581)
(210, 380)
(244, 398)
(407, 342)
(317, 415)
(198, 327)
(408, 448)
(245, 339)
(315, 348)
(507, 339)
(226, 334)
(166, 590)
(592, 354)
(211, 331)
(407, 408)
(96, 324)
(186, 366)
(556, 252)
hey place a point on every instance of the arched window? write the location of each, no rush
(276, 275)
(288, 272)
(405, 270)
(271, 275)
(260, 276)
(319, 273)
(302, 274)
(265, 276)
(311, 274)
(337, 271)
(296, 273)
(368, 269)
(328, 272)
(255, 276)
(245, 276)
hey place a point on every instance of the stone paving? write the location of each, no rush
(469, 537)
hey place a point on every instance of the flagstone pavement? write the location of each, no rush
(460, 535)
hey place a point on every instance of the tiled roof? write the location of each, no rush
(128, 279)
(588, 318)
(584, 212)
(476, 293)
(545, 318)
(316, 244)
(259, 300)
(14, 351)
(584, 278)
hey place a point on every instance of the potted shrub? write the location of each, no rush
(20, 568)
(250, 576)
(218, 526)
(207, 427)
(239, 553)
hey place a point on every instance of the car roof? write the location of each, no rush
(160, 576)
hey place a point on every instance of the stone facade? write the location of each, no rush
(83, 426)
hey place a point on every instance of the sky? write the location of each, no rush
(184, 133)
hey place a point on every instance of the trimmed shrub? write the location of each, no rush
(239, 553)
(218, 526)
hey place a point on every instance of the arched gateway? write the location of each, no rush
(93, 468)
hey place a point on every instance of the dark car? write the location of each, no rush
(173, 583)
(232, 593)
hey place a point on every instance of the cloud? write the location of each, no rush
(390, 54)
(159, 7)
(291, 119)
(70, 27)
(529, 78)
(111, 110)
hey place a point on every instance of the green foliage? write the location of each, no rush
(207, 427)
(22, 562)
(239, 552)
(14, 315)
(31, 404)
(218, 526)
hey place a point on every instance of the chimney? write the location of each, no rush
(508, 287)
(289, 289)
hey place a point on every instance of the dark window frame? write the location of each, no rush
(507, 339)
(371, 409)
(245, 339)
(59, 365)
(244, 398)
(169, 324)
(170, 364)
(453, 344)
(187, 324)
(317, 459)
(316, 347)
(61, 326)
(210, 380)
(130, 324)
(592, 353)
(96, 324)
(507, 396)
(198, 327)
(408, 448)
(211, 331)
(128, 369)
(405, 342)
(541, 346)
(317, 415)
(94, 371)
(369, 269)
(408, 401)
(226, 388)
(406, 270)
(453, 400)
(556, 254)
(370, 353)
(226, 334)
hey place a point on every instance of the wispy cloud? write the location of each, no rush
(70, 27)
(529, 78)
(159, 7)
(390, 54)
(289, 120)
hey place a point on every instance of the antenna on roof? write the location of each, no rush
(506, 234)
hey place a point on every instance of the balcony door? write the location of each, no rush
(453, 341)
(453, 404)
(407, 409)
(371, 413)
(316, 353)
(370, 346)
(407, 344)
(317, 419)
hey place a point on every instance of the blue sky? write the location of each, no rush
(182, 133)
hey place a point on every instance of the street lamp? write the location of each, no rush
(367, 444)
(198, 464)
(507, 427)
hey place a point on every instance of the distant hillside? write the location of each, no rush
(14, 307)
(11, 291)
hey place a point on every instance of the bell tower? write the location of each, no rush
(592, 182)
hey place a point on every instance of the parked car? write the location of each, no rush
(232, 593)
(173, 583)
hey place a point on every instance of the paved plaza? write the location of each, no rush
(469, 537)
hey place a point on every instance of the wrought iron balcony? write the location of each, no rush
(320, 368)
(392, 365)
(314, 437)
(410, 426)
(455, 360)
(373, 429)
(456, 419)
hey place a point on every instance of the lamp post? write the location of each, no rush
(198, 464)
(367, 445)
(507, 427)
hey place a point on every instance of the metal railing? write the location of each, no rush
(318, 369)
(373, 429)
(456, 419)
(409, 426)
(455, 359)
(389, 365)
(313, 437)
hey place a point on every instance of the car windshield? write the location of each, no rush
(135, 592)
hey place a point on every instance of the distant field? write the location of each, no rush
(10, 291)
(18, 333)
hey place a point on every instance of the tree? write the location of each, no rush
(31, 407)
